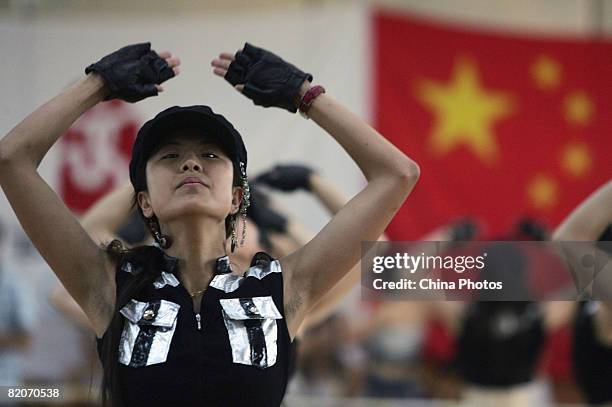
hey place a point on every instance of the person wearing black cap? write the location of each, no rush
(175, 324)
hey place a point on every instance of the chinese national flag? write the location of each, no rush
(502, 126)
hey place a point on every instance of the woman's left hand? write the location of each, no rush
(262, 76)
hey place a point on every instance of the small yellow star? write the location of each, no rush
(546, 72)
(542, 191)
(465, 112)
(576, 159)
(578, 108)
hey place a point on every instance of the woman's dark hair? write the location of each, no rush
(152, 262)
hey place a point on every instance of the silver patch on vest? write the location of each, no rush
(226, 282)
(165, 279)
(260, 271)
(161, 324)
(247, 320)
(230, 282)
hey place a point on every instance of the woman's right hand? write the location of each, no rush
(135, 72)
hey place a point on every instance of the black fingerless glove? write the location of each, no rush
(132, 72)
(267, 79)
(287, 177)
(265, 217)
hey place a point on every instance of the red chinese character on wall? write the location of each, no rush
(95, 153)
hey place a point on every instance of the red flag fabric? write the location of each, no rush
(502, 126)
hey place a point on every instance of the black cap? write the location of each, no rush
(198, 117)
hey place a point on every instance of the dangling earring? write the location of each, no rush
(162, 240)
(234, 241)
(245, 201)
(242, 212)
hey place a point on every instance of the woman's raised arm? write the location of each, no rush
(323, 261)
(315, 268)
(81, 265)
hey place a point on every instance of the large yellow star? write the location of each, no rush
(464, 112)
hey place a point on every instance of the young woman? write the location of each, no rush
(176, 325)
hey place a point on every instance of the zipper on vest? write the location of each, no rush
(199, 322)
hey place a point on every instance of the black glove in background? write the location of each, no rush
(287, 177)
(265, 217)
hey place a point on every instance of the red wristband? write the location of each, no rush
(308, 98)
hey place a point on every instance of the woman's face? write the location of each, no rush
(189, 176)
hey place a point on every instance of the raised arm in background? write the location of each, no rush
(105, 217)
(587, 222)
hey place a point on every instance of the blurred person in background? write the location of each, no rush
(392, 333)
(499, 342)
(17, 322)
(592, 331)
